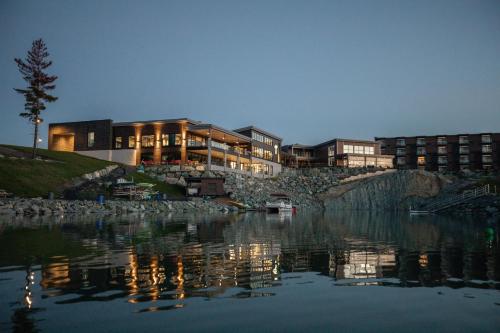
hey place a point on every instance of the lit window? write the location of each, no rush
(463, 139)
(268, 155)
(463, 149)
(485, 138)
(90, 139)
(276, 149)
(441, 140)
(131, 141)
(178, 139)
(164, 140)
(420, 150)
(400, 142)
(486, 159)
(268, 141)
(359, 150)
(421, 160)
(348, 149)
(420, 141)
(258, 152)
(370, 150)
(148, 141)
(442, 160)
(118, 142)
(486, 148)
(442, 150)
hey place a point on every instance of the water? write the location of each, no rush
(251, 272)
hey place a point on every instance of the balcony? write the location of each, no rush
(442, 150)
(400, 151)
(463, 140)
(400, 142)
(420, 141)
(421, 151)
(486, 149)
(442, 160)
(441, 140)
(463, 150)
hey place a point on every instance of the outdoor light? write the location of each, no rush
(39, 139)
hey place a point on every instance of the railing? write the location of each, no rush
(456, 200)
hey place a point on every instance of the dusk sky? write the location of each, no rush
(307, 71)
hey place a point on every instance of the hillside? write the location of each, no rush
(31, 178)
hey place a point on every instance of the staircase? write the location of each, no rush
(466, 196)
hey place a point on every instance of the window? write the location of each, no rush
(90, 139)
(258, 152)
(441, 168)
(118, 142)
(348, 149)
(196, 141)
(463, 149)
(178, 139)
(420, 141)
(331, 161)
(486, 149)
(275, 149)
(442, 160)
(257, 137)
(268, 141)
(486, 159)
(421, 151)
(441, 140)
(370, 150)
(442, 150)
(421, 160)
(463, 139)
(148, 141)
(400, 142)
(464, 159)
(331, 150)
(401, 160)
(486, 138)
(401, 151)
(164, 140)
(131, 141)
(359, 150)
(219, 145)
(268, 155)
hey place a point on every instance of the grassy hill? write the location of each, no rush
(25, 177)
(32, 178)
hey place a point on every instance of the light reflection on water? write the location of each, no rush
(156, 263)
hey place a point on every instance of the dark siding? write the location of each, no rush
(80, 130)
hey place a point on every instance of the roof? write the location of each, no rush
(297, 145)
(274, 136)
(219, 133)
(340, 139)
(431, 136)
(158, 121)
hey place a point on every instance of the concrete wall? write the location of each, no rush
(124, 156)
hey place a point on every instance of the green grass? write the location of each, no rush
(32, 178)
(162, 187)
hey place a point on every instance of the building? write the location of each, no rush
(445, 152)
(182, 142)
(337, 152)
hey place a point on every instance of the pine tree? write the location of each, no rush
(39, 84)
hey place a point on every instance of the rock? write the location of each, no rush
(181, 182)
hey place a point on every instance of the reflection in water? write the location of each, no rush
(147, 259)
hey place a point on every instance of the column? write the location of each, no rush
(209, 142)
(138, 131)
(225, 159)
(238, 162)
(183, 146)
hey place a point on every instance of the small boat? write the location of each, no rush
(281, 203)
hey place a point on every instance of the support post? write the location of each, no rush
(209, 142)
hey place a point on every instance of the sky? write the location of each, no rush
(307, 71)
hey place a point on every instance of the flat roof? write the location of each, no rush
(219, 133)
(158, 121)
(298, 145)
(432, 135)
(258, 130)
(340, 139)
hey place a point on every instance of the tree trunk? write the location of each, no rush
(35, 139)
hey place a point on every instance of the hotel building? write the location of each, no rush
(182, 142)
(445, 152)
(337, 152)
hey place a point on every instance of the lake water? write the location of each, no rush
(250, 272)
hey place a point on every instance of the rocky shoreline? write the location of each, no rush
(45, 207)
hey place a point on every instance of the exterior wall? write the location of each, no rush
(333, 153)
(275, 142)
(123, 156)
(79, 130)
(428, 152)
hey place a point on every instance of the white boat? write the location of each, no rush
(280, 204)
